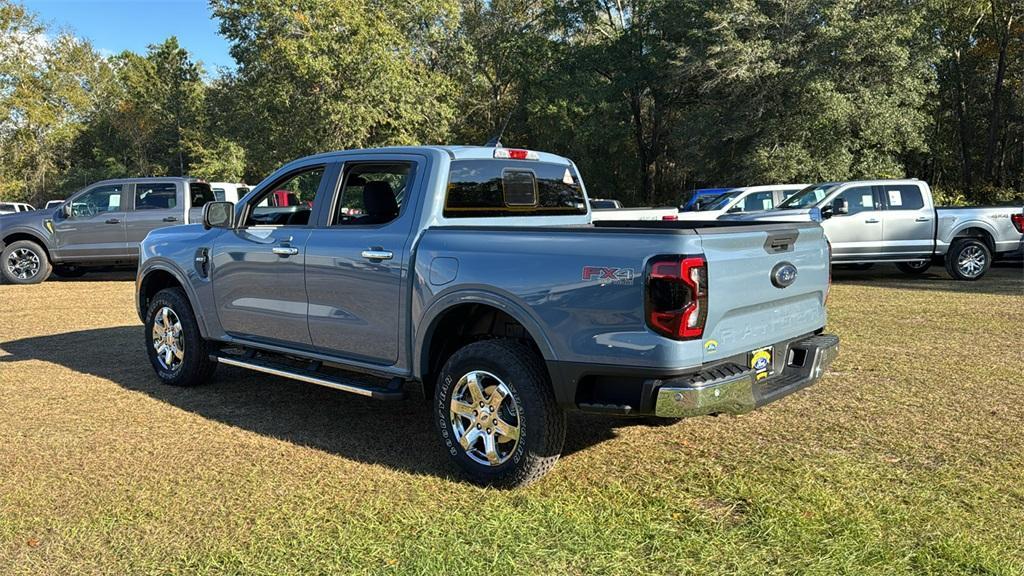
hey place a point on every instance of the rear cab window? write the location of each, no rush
(494, 188)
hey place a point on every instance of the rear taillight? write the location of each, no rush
(1018, 222)
(828, 289)
(670, 217)
(677, 296)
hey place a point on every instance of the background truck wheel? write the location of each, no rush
(968, 259)
(69, 271)
(914, 268)
(24, 262)
(497, 414)
(179, 354)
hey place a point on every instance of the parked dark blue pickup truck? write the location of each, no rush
(477, 274)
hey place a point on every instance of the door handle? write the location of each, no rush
(171, 219)
(872, 220)
(377, 254)
(284, 250)
(922, 219)
(113, 221)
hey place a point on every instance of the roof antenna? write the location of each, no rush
(495, 141)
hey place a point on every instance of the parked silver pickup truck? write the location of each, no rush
(476, 274)
(101, 225)
(896, 221)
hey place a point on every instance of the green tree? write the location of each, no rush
(315, 75)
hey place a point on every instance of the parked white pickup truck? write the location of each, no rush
(634, 214)
(896, 221)
(745, 200)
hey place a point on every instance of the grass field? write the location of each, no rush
(908, 458)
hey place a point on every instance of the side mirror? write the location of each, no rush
(840, 206)
(218, 215)
(65, 210)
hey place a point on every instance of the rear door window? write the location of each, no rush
(156, 195)
(489, 188)
(902, 197)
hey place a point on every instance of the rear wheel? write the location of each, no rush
(968, 259)
(24, 262)
(179, 354)
(914, 268)
(497, 414)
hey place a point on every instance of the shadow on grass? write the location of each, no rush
(1004, 278)
(398, 435)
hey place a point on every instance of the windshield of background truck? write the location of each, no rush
(808, 197)
(718, 202)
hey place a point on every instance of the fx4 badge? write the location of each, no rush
(607, 274)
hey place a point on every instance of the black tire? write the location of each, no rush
(69, 271)
(24, 262)
(914, 268)
(968, 249)
(540, 421)
(195, 366)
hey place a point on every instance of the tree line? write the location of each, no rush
(652, 98)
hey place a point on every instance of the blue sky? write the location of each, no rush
(113, 26)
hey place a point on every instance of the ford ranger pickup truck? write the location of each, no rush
(896, 221)
(476, 275)
(101, 225)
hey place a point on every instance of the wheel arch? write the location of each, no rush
(158, 277)
(17, 236)
(457, 316)
(975, 230)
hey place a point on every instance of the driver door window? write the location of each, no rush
(97, 201)
(859, 199)
(288, 202)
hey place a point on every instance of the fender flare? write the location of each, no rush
(164, 266)
(981, 225)
(431, 317)
(34, 234)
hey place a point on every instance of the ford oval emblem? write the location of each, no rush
(783, 275)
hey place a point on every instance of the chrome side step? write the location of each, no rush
(392, 392)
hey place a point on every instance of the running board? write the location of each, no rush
(392, 392)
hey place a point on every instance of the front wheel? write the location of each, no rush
(24, 262)
(914, 268)
(968, 259)
(497, 414)
(179, 354)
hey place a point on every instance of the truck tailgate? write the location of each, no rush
(746, 307)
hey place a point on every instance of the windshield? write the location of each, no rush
(808, 197)
(705, 202)
(718, 202)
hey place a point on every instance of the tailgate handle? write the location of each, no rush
(781, 241)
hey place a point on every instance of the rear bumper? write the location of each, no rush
(734, 389)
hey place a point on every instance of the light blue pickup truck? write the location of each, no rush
(477, 275)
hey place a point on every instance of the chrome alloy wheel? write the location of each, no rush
(23, 263)
(918, 265)
(971, 261)
(485, 418)
(167, 340)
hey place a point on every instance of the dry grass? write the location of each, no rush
(907, 459)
